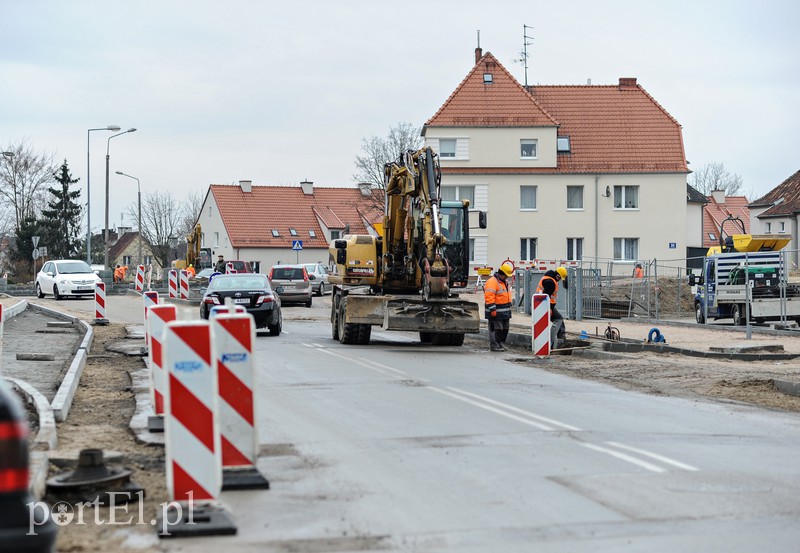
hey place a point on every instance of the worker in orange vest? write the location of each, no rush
(118, 274)
(548, 284)
(638, 272)
(190, 270)
(498, 306)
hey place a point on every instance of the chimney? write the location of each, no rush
(627, 83)
(478, 54)
(246, 185)
(308, 187)
(719, 196)
(366, 188)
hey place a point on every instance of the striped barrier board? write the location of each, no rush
(140, 278)
(540, 324)
(234, 338)
(229, 268)
(150, 298)
(157, 319)
(172, 277)
(183, 285)
(100, 303)
(1, 338)
(193, 452)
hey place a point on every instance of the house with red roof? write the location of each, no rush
(720, 207)
(267, 225)
(592, 173)
(778, 212)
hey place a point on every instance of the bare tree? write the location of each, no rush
(23, 176)
(161, 219)
(714, 176)
(191, 212)
(376, 152)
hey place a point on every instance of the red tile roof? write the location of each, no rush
(612, 129)
(715, 213)
(249, 217)
(503, 103)
(784, 198)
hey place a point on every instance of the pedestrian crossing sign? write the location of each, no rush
(297, 245)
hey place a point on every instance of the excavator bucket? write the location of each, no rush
(445, 316)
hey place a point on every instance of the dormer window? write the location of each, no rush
(275, 232)
(487, 78)
(562, 144)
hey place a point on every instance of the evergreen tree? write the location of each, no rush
(22, 253)
(62, 221)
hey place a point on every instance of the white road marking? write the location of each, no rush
(656, 456)
(625, 457)
(492, 409)
(397, 371)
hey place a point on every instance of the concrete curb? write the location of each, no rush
(791, 388)
(15, 309)
(140, 385)
(69, 385)
(45, 440)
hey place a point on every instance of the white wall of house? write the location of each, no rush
(267, 257)
(694, 224)
(496, 147)
(214, 233)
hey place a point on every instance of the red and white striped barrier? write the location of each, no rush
(157, 319)
(184, 284)
(140, 278)
(173, 284)
(1, 338)
(193, 452)
(100, 303)
(229, 268)
(540, 324)
(234, 336)
(150, 298)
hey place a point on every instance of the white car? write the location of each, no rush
(66, 277)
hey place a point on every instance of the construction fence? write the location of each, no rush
(611, 289)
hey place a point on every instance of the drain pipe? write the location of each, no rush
(596, 218)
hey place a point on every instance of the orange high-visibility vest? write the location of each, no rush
(540, 289)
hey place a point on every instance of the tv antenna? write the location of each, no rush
(525, 43)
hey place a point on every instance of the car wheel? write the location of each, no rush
(736, 313)
(698, 313)
(56, 295)
(275, 330)
(203, 311)
(39, 293)
(308, 303)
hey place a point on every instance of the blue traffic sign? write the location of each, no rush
(297, 245)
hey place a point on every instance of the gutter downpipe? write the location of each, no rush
(596, 219)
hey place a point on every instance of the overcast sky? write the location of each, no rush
(279, 92)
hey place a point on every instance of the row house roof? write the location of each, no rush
(612, 128)
(784, 199)
(717, 209)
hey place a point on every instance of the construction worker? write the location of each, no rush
(191, 271)
(117, 274)
(548, 284)
(638, 272)
(498, 306)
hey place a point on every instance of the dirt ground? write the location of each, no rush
(99, 418)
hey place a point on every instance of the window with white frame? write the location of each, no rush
(126, 260)
(769, 228)
(574, 197)
(626, 197)
(527, 148)
(209, 211)
(527, 197)
(312, 233)
(574, 249)
(216, 240)
(148, 260)
(447, 147)
(626, 248)
(527, 249)
(203, 239)
(783, 226)
(293, 232)
(459, 192)
(336, 234)
(471, 250)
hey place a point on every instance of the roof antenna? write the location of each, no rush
(524, 53)
(478, 51)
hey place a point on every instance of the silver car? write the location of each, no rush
(291, 283)
(66, 277)
(318, 275)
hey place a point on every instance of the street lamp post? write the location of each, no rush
(88, 193)
(139, 228)
(108, 149)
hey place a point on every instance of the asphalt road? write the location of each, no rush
(402, 446)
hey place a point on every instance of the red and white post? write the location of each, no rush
(140, 278)
(191, 417)
(184, 285)
(157, 319)
(172, 277)
(540, 324)
(234, 337)
(149, 298)
(229, 268)
(100, 304)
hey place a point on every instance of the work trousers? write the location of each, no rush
(557, 319)
(498, 331)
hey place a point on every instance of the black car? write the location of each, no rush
(250, 290)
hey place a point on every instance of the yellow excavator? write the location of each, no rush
(199, 258)
(404, 278)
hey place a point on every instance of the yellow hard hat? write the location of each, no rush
(507, 269)
(562, 272)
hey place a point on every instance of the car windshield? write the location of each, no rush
(288, 273)
(230, 282)
(73, 267)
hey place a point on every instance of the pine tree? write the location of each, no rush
(63, 218)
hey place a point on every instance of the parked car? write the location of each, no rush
(250, 290)
(239, 266)
(66, 277)
(318, 275)
(291, 283)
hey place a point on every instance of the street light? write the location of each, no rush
(139, 192)
(88, 192)
(108, 149)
